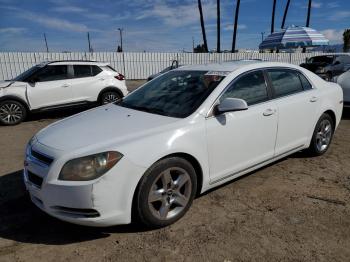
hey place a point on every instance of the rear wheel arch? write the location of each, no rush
(109, 89)
(332, 115)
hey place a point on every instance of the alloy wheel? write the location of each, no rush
(10, 113)
(323, 135)
(170, 193)
(110, 98)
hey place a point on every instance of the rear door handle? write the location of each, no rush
(269, 112)
(65, 85)
(101, 79)
(313, 99)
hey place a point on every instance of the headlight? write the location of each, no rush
(89, 167)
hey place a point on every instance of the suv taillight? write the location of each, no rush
(120, 77)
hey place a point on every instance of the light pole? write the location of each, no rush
(121, 46)
(47, 47)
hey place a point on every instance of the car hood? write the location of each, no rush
(314, 66)
(8, 83)
(4, 84)
(102, 126)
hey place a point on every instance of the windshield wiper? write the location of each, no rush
(147, 109)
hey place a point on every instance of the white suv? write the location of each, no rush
(59, 84)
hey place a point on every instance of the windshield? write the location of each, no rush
(321, 59)
(174, 94)
(24, 76)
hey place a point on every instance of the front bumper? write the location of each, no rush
(106, 201)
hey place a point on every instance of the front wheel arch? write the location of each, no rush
(188, 157)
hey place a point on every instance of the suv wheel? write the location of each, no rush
(166, 192)
(322, 136)
(12, 112)
(110, 97)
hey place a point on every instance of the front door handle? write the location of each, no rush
(269, 112)
(65, 85)
(313, 99)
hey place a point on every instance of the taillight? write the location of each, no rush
(120, 77)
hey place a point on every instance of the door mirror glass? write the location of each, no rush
(230, 105)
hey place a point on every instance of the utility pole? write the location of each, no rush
(273, 17)
(285, 14)
(218, 49)
(47, 47)
(121, 38)
(235, 27)
(262, 36)
(88, 37)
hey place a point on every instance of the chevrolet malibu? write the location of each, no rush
(181, 134)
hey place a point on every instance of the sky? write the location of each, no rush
(154, 25)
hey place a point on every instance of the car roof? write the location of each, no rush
(235, 65)
(76, 62)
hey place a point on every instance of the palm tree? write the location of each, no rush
(285, 14)
(273, 17)
(202, 25)
(218, 25)
(308, 14)
(235, 27)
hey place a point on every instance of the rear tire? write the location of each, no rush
(109, 97)
(322, 136)
(12, 112)
(165, 192)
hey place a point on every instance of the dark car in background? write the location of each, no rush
(174, 65)
(328, 66)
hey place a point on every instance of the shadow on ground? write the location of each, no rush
(22, 221)
(56, 114)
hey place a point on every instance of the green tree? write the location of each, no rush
(200, 49)
(346, 38)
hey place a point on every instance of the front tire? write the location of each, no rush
(322, 135)
(166, 192)
(12, 112)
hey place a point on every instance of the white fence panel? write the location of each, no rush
(136, 65)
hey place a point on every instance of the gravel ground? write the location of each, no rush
(294, 210)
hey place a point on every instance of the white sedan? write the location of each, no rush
(344, 81)
(179, 135)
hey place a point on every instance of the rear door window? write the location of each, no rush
(285, 82)
(82, 71)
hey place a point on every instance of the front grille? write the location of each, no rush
(34, 179)
(76, 212)
(42, 158)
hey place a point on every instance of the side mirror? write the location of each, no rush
(33, 80)
(230, 105)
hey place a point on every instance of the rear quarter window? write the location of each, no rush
(95, 70)
(306, 84)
